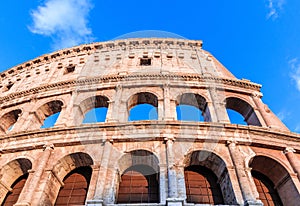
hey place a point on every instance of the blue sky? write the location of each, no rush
(256, 39)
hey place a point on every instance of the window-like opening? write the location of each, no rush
(202, 186)
(265, 188)
(143, 112)
(145, 61)
(49, 113)
(12, 197)
(50, 121)
(9, 86)
(95, 115)
(244, 109)
(9, 119)
(96, 108)
(75, 188)
(235, 117)
(139, 184)
(70, 69)
(143, 106)
(189, 113)
(192, 107)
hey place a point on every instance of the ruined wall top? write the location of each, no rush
(136, 56)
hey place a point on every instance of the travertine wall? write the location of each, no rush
(110, 74)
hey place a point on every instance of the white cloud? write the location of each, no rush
(283, 115)
(66, 21)
(295, 74)
(274, 7)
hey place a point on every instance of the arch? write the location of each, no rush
(47, 110)
(201, 186)
(193, 100)
(139, 182)
(9, 119)
(243, 108)
(143, 99)
(207, 166)
(91, 104)
(14, 175)
(265, 188)
(70, 162)
(75, 188)
(276, 176)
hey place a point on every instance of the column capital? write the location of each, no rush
(288, 150)
(48, 146)
(231, 143)
(169, 139)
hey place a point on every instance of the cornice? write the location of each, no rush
(132, 77)
(91, 133)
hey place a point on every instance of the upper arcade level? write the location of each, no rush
(122, 58)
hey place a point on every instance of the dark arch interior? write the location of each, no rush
(75, 188)
(143, 98)
(12, 197)
(9, 119)
(265, 188)
(202, 186)
(244, 109)
(139, 184)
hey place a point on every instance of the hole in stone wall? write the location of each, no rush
(145, 62)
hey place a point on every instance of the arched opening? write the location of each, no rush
(139, 181)
(75, 188)
(271, 177)
(17, 187)
(142, 106)
(265, 188)
(14, 174)
(9, 119)
(192, 107)
(207, 179)
(49, 112)
(201, 186)
(139, 184)
(244, 109)
(95, 109)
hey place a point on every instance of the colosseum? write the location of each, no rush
(146, 149)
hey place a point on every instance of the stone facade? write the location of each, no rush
(119, 75)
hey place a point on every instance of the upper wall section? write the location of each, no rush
(115, 58)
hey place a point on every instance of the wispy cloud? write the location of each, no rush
(65, 21)
(274, 8)
(283, 115)
(295, 74)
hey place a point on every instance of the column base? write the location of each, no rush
(175, 202)
(94, 203)
(253, 203)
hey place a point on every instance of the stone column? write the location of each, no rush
(173, 199)
(169, 105)
(33, 181)
(219, 110)
(293, 160)
(100, 182)
(160, 109)
(93, 182)
(110, 112)
(240, 171)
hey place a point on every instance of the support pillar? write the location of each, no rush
(243, 180)
(293, 160)
(102, 174)
(31, 186)
(173, 199)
